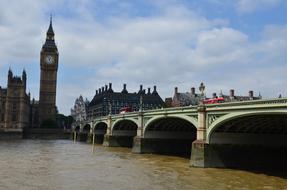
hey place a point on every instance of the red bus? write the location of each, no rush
(213, 100)
(125, 110)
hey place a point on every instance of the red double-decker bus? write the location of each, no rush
(125, 110)
(213, 100)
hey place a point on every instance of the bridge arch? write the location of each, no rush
(116, 123)
(86, 128)
(100, 125)
(233, 116)
(251, 140)
(124, 130)
(99, 130)
(77, 128)
(84, 133)
(192, 120)
(170, 135)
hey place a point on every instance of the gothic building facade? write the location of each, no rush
(80, 109)
(15, 103)
(17, 111)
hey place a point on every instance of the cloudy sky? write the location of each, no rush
(239, 44)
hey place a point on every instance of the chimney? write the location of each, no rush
(110, 88)
(175, 90)
(154, 90)
(141, 89)
(143, 92)
(100, 90)
(106, 88)
(103, 89)
(192, 91)
(97, 92)
(232, 93)
(148, 90)
(250, 94)
(213, 95)
(125, 89)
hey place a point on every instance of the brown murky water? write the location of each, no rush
(57, 164)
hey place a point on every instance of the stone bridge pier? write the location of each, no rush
(255, 138)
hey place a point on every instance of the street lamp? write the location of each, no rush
(201, 89)
(110, 107)
(141, 103)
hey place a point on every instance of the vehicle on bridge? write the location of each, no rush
(125, 110)
(214, 100)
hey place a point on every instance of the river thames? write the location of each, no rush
(63, 164)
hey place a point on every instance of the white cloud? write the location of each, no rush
(220, 46)
(248, 6)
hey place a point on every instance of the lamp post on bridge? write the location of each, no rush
(201, 89)
(137, 141)
(141, 103)
(110, 107)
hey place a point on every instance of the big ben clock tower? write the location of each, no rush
(48, 83)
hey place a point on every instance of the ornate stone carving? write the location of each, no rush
(145, 120)
(213, 117)
(79, 112)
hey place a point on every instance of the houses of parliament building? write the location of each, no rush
(17, 110)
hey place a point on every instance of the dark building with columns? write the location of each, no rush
(106, 100)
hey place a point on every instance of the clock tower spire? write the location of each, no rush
(48, 80)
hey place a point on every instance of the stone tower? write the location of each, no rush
(48, 79)
(16, 113)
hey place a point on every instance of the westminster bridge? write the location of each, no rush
(237, 134)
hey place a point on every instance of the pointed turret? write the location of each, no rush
(10, 73)
(24, 77)
(50, 31)
(50, 41)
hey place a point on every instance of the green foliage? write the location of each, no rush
(64, 121)
(49, 124)
(61, 122)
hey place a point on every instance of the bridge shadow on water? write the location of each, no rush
(256, 159)
(179, 149)
(271, 161)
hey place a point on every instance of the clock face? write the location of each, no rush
(49, 59)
